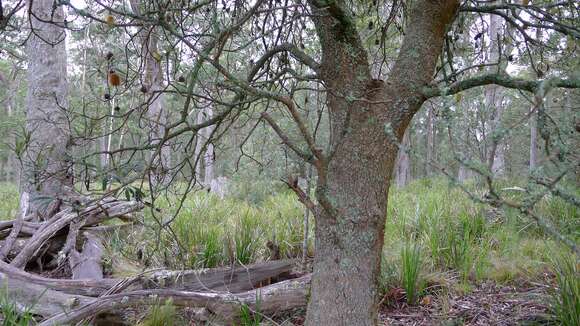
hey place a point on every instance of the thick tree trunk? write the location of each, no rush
(45, 164)
(368, 119)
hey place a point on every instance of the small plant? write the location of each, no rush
(249, 317)
(11, 315)
(566, 296)
(411, 268)
(161, 315)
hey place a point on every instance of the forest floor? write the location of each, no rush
(488, 304)
(472, 266)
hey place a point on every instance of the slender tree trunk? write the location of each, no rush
(430, 140)
(46, 163)
(403, 166)
(534, 125)
(153, 83)
(493, 102)
(533, 140)
(209, 156)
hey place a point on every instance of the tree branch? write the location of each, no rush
(500, 79)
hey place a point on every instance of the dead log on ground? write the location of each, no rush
(94, 214)
(275, 298)
(233, 280)
(88, 264)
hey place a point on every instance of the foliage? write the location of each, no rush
(162, 315)
(11, 314)
(8, 200)
(566, 295)
(411, 269)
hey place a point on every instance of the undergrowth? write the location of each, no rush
(433, 232)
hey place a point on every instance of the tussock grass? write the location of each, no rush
(566, 296)
(8, 201)
(11, 314)
(458, 237)
(434, 233)
(210, 232)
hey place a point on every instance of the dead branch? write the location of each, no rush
(271, 299)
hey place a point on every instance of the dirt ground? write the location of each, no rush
(488, 304)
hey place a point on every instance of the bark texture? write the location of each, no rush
(368, 118)
(46, 165)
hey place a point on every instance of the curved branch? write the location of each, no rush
(286, 47)
(500, 79)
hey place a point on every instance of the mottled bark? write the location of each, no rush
(209, 155)
(46, 165)
(368, 118)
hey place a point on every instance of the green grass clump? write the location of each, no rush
(11, 315)
(460, 239)
(8, 201)
(566, 297)
(411, 269)
(210, 232)
(162, 315)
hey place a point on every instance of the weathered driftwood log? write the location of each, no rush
(39, 299)
(227, 279)
(49, 297)
(91, 288)
(233, 280)
(93, 214)
(268, 300)
(12, 236)
(88, 263)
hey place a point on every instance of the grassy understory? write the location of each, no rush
(435, 237)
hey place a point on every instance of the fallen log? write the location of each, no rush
(93, 214)
(39, 299)
(233, 280)
(12, 236)
(268, 300)
(221, 279)
(87, 264)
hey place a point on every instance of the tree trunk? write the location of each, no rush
(368, 118)
(533, 140)
(430, 140)
(153, 81)
(403, 166)
(209, 156)
(493, 102)
(46, 165)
